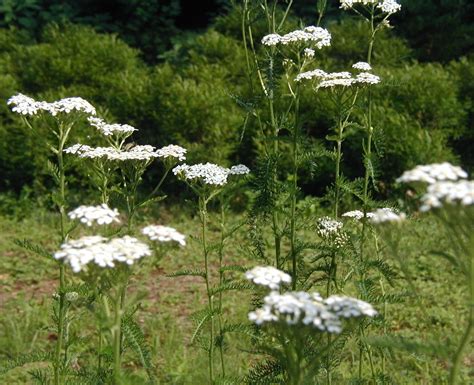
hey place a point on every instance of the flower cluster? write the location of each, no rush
(140, 152)
(101, 251)
(206, 173)
(386, 215)
(101, 215)
(348, 4)
(172, 151)
(320, 36)
(340, 79)
(310, 309)
(328, 227)
(111, 129)
(309, 53)
(460, 192)
(432, 173)
(386, 6)
(25, 105)
(239, 169)
(362, 66)
(164, 234)
(268, 276)
(357, 215)
(389, 6)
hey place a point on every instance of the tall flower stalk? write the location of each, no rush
(209, 181)
(61, 116)
(294, 50)
(450, 197)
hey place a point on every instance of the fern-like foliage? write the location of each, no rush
(135, 338)
(34, 248)
(25, 359)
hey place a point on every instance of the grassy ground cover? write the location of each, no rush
(433, 314)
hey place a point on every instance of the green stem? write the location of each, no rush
(294, 192)
(221, 282)
(62, 280)
(157, 188)
(203, 215)
(321, 9)
(338, 167)
(276, 231)
(368, 168)
(117, 328)
(454, 373)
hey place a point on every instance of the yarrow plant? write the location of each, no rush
(297, 319)
(100, 215)
(208, 181)
(62, 116)
(450, 197)
(124, 164)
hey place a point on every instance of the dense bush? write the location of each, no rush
(196, 97)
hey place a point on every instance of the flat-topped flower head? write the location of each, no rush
(310, 75)
(108, 129)
(365, 78)
(362, 66)
(25, 105)
(205, 173)
(309, 53)
(348, 4)
(68, 105)
(164, 234)
(318, 36)
(100, 215)
(101, 251)
(239, 169)
(77, 149)
(136, 153)
(460, 192)
(386, 215)
(432, 173)
(300, 309)
(268, 276)
(357, 215)
(328, 226)
(172, 151)
(271, 40)
(389, 6)
(348, 307)
(129, 249)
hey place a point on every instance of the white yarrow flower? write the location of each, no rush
(348, 4)
(362, 66)
(172, 151)
(389, 6)
(432, 173)
(459, 192)
(164, 234)
(108, 129)
(367, 78)
(239, 169)
(309, 53)
(348, 307)
(320, 37)
(309, 309)
(357, 215)
(208, 173)
(386, 215)
(100, 251)
(23, 104)
(268, 276)
(101, 215)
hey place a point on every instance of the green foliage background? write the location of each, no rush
(183, 86)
